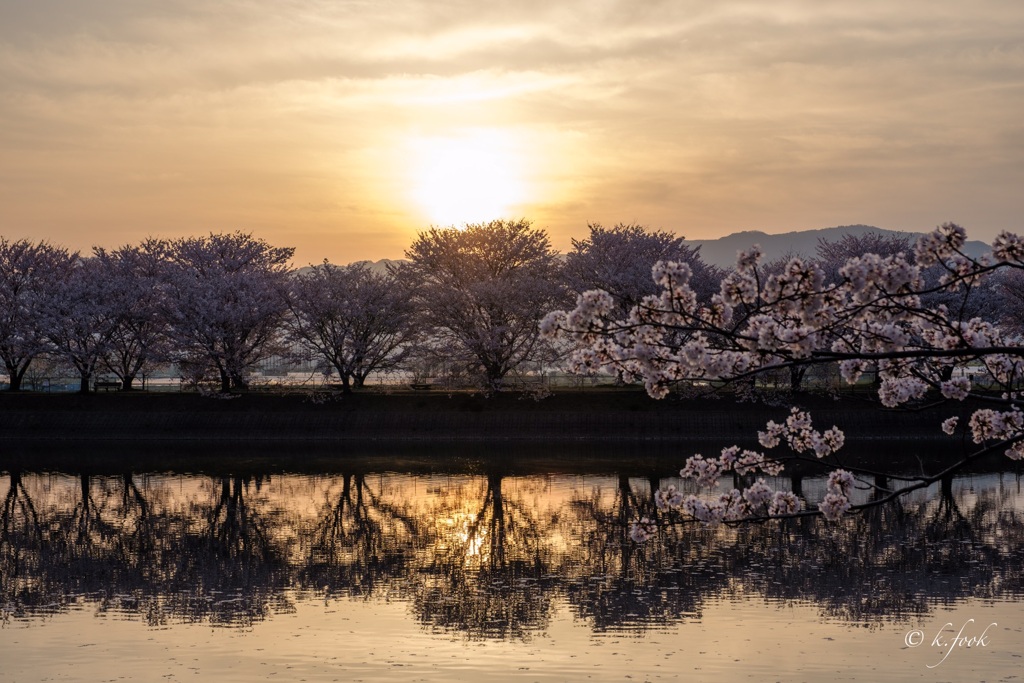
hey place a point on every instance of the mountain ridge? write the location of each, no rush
(722, 251)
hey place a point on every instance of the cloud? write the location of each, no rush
(710, 115)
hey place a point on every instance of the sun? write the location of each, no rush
(471, 177)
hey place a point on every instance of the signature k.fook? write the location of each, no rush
(944, 639)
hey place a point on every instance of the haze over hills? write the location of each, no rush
(722, 251)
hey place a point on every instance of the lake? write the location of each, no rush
(463, 569)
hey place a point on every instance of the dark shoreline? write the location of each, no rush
(571, 417)
(597, 430)
(610, 426)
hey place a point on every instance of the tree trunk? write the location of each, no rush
(495, 379)
(16, 374)
(498, 542)
(83, 388)
(126, 382)
(796, 377)
(346, 378)
(225, 382)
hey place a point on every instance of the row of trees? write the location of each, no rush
(212, 301)
(467, 298)
(218, 305)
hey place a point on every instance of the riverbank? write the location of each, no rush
(592, 416)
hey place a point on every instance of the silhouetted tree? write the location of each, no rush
(225, 301)
(80, 317)
(483, 289)
(356, 320)
(134, 287)
(28, 272)
(619, 261)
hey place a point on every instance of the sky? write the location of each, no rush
(343, 128)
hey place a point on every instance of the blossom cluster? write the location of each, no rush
(995, 425)
(1008, 247)
(837, 495)
(942, 243)
(801, 437)
(758, 499)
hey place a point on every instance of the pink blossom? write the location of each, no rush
(949, 425)
(834, 506)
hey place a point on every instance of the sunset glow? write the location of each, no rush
(343, 132)
(469, 178)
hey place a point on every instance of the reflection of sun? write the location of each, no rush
(469, 178)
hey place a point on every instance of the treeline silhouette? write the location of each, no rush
(465, 304)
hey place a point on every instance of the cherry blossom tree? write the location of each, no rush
(134, 286)
(357, 320)
(225, 299)
(79, 317)
(832, 255)
(619, 260)
(871, 319)
(483, 289)
(28, 271)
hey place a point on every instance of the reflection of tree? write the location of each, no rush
(233, 568)
(19, 517)
(138, 534)
(101, 538)
(488, 557)
(21, 537)
(888, 564)
(359, 540)
(233, 530)
(486, 573)
(613, 583)
(87, 516)
(68, 547)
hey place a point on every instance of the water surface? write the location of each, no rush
(383, 575)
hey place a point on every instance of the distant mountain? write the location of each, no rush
(382, 265)
(722, 251)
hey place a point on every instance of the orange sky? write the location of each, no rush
(342, 128)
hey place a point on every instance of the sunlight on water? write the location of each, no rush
(370, 576)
